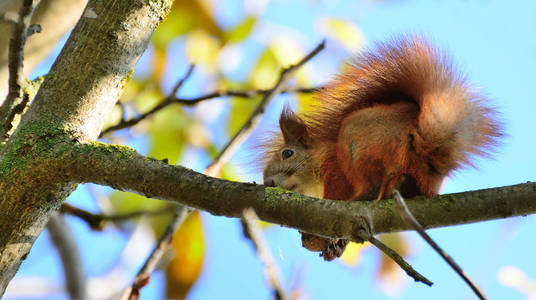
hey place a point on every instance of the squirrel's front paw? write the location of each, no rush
(334, 249)
(329, 248)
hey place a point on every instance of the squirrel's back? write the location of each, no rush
(399, 116)
(401, 109)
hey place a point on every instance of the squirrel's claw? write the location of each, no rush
(334, 249)
(388, 183)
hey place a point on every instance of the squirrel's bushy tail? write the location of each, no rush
(454, 121)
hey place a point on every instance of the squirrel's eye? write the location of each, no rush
(287, 153)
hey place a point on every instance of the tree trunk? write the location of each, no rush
(83, 85)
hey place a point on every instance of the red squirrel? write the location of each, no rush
(398, 117)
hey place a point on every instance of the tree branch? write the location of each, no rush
(399, 260)
(124, 169)
(172, 99)
(144, 274)
(133, 291)
(63, 239)
(16, 99)
(166, 102)
(98, 221)
(181, 212)
(405, 213)
(230, 148)
(253, 233)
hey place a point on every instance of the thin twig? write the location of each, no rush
(399, 260)
(144, 274)
(181, 82)
(180, 214)
(242, 94)
(98, 221)
(63, 239)
(172, 99)
(408, 217)
(16, 99)
(251, 123)
(166, 102)
(133, 291)
(252, 232)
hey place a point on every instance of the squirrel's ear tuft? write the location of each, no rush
(293, 128)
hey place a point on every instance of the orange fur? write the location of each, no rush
(399, 116)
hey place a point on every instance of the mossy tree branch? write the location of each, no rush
(124, 169)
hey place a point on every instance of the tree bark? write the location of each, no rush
(123, 168)
(56, 17)
(82, 86)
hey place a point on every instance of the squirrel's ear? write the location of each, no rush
(293, 128)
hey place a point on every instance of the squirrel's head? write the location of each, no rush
(292, 164)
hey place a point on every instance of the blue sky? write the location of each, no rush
(492, 41)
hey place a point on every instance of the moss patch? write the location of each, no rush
(103, 149)
(274, 194)
(35, 140)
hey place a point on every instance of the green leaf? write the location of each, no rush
(168, 134)
(241, 31)
(266, 70)
(241, 109)
(124, 202)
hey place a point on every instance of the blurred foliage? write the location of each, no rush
(168, 133)
(173, 131)
(344, 32)
(240, 32)
(184, 17)
(353, 253)
(189, 248)
(389, 270)
(389, 273)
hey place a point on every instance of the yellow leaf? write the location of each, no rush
(202, 48)
(345, 32)
(241, 31)
(168, 134)
(159, 64)
(147, 100)
(266, 71)
(286, 50)
(389, 270)
(352, 255)
(198, 135)
(185, 15)
(189, 247)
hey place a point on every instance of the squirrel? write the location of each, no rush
(398, 117)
